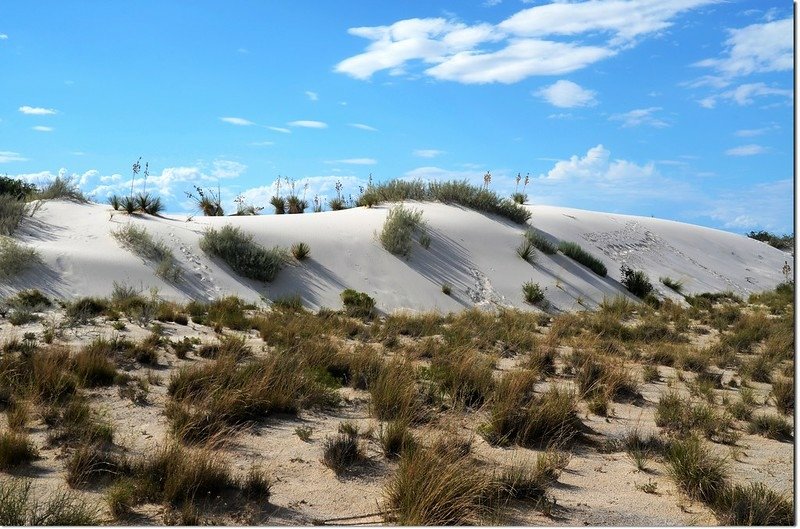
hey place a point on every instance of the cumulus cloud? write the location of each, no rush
(323, 187)
(9, 156)
(355, 161)
(237, 121)
(746, 150)
(427, 153)
(363, 127)
(754, 49)
(640, 116)
(42, 128)
(308, 124)
(227, 169)
(37, 111)
(566, 94)
(533, 41)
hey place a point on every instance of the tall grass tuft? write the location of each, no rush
(61, 188)
(753, 505)
(540, 242)
(19, 506)
(16, 449)
(674, 284)
(15, 258)
(243, 255)
(12, 210)
(400, 225)
(574, 251)
(139, 241)
(698, 472)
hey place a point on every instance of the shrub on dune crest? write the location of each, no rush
(244, 256)
(12, 210)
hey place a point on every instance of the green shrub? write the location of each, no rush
(292, 303)
(84, 309)
(208, 202)
(447, 289)
(357, 304)
(519, 198)
(636, 281)
(94, 368)
(279, 203)
(753, 505)
(400, 225)
(30, 299)
(341, 451)
(224, 312)
(300, 250)
(16, 188)
(532, 292)
(525, 251)
(141, 243)
(675, 285)
(18, 507)
(698, 472)
(61, 188)
(244, 256)
(525, 481)
(574, 251)
(781, 242)
(12, 211)
(15, 258)
(540, 242)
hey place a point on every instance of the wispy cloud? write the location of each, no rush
(756, 48)
(541, 40)
(355, 161)
(282, 130)
(237, 121)
(762, 206)
(261, 143)
(746, 150)
(9, 156)
(640, 116)
(3, 36)
(42, 128)
(363, 127)
(37, 111)
(566, 94)
(427, 153)
(313, 96)
(308, 124)
(750, 133)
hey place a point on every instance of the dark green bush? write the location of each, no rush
(357, 304)
(574, 251)
(244, 256)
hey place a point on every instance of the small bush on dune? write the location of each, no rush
(575, 252)
(15, 258)
(532, 292)
(244, 256)
(140, 242)
(30, 299)
(300, 250)
(698, 472)
(525, 251)
(224, 312)
(395, 438)
(342, 451)
(208, 202)
(394, 393)
(771, 426)
(525, 481)
(16, 449)
(16, 188)
(753, 505)
(92, 462)
(94, 368)
(465, 375)
(12, 211)
(782, 393)
(357, 304)
(400, 225)
(61, 188)
(540, 242)
(519, 198)
(636, 281)
(19, 506)
(675, 285)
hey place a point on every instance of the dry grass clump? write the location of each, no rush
(681, 416)
(526, 481)
(16, 449)
(574, 251)
(244, 256)
(61, 188)
(518, 415)
(409, 324)
(395, 438)
(93, 368)
(698, 472)
(782, 394)
(12, 210)
(224, 312)
(74, 423)
(598, 375)
(400, 225)
(435, 488)
(342, 451)
(19, 506)
(394, 394)
(466, 376)
(540, 242)
(753, 505)
(15, 258)
(139, 241)
(771, 426)
(92, 462)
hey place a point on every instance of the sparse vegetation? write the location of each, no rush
(15, 258)
(781, 242)
(139, 241)
(525, 250)
(540, 242)
(674, 284)
(357, 304)
(300, 251)
(636, 281)
(575, 252)
(244, 256)
(698, 472)
(532, 292)
(400, 225)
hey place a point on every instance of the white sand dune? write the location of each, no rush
(473, 252)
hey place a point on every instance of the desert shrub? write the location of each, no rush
(400, 225)
(84, 309)
(394, 393)
(224, 312)
(140, 242)
(697, 472)
(519, 198)
(466, 376)
(575, 252)
(244, 256)
(540, 242)
(295, 204)
(782, 393)
(525, 251)
(771, 427)
(18, 507)
(12, 211)
(93, 368)
(758, 369)
(342, 451)
(91, 462)
(447, 289)
(674, 284)
(16, 449)
(753, 505)
(432, 487)
(16, 188)
(781, 242)
(30, 299)
(300, 250)
(526, 481)
(461, 193)
(22, 317)
(61, 188)
(208, 202)
(518, 415)
(293, 303)
(650, 373)
(15, 258)
(682, 417)
(636, 281)
(532, 292)
(596, 375)
(74, 423)
(115, 202)
(357, 304)
(45, 376)
(395, 438)
(257, 485)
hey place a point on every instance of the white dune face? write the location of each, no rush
(473, 252)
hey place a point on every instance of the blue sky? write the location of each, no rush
(680, 109)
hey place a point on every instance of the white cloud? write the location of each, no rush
(237, 121)
(280, 129)
(3, 36)
(37, 111)
(243, 51)
(750, 133)
(763, 206)
(42, 128)
(566, 94)
(355, 161)
(756, 48)
(9, 156)
(491, 3)
(597, 166)
(428, 153)
(308, 124)
(746, 150)
(323, 186)
(313, 96)
(451, 50)
(363, 127)
(227, 169)
(640, 116)
(744, 94)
